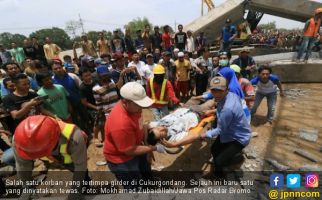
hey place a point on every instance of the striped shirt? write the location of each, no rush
(105, 96)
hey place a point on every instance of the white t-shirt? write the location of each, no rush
(151, 66)
(190, 47)
(143, 70)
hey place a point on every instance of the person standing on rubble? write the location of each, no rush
(310, 35)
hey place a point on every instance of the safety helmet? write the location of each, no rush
(36, 137)
(318, 11)
(236, 68)
(158, 69)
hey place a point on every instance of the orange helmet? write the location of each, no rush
(318, 11)
(36, 137)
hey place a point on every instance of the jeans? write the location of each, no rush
(271, 104)
(158, 113)
(8, 157)
(246, 111)
(132, 171)
(307, 45)
(226, 46)
(224, 153)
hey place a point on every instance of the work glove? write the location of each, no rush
(209, 134)
(160, 148)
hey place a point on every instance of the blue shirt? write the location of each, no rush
(71, 87)
(232, 124)
(228, 32)
(33, 84)
(244, 62)
(265, 88)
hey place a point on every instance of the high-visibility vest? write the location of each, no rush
(313, 28)
(67, 132)
(158, 101)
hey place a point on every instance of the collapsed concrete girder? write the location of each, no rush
(214, 20)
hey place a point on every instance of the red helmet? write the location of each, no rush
(36, 137)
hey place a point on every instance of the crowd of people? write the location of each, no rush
(287, 39)
(49, 102)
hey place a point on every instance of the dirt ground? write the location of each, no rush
(278, 142)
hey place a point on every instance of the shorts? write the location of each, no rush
(97, 117)
(183, 87)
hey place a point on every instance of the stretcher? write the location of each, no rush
(202, 126)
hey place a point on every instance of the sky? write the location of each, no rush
(26, 16)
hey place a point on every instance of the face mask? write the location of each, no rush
(158, 79)
(223, 62)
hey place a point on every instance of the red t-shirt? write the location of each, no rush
(122, 131)
(166, 39)
(169, 93)
(248, 90)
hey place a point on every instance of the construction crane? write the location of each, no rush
(209, 4)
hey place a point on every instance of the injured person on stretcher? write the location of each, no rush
(176, 126)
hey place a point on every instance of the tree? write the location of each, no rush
(268, 26)
(57, 36)
(137, 24)
(72, 26)
(7, 38)
(93, 35)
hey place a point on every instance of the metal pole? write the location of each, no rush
(81, 23)
(202, 1)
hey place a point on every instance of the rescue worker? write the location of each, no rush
(52, 140)
(161, 91)
(310, 35)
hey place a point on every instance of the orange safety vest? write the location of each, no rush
(161, 100)
(313, 28)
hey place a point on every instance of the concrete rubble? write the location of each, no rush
(294, 93)
(283, 133)
(308, 134)
(311, 168)
(277, 165)
(305, 154)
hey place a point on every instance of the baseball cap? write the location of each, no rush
(236, 68)
(90, 58)
(203, 64)
(218, 83)
(149, 55)
(98, 61)
(180, 54)
(69, 66)
(176, 50)
(102, 69)
(135, 92)
(244, 50)
(167, 53)
(117, 56)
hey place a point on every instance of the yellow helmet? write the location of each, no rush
(158, 69)
(318, 11)
(236, 68)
